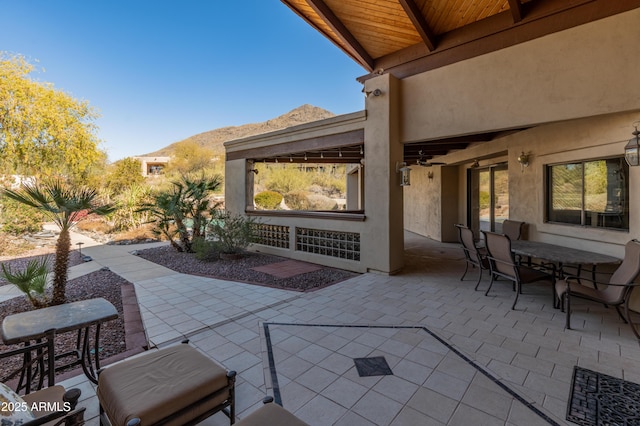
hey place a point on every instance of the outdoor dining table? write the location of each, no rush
(561, 255)
(33, 325)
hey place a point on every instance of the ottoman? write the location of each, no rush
(173, 386)
(271, 414)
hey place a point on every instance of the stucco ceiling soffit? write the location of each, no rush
(427, 150)
(316, 144)
(342, 155)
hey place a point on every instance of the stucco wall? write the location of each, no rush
(582, 139)
(584, 71)
(577, 87)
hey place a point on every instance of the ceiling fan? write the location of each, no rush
(426, 163)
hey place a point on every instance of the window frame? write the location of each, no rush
(548, 195)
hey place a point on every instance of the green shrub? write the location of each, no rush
(485, 200)
(31, 280)
(232, 233)
(17, 218)
(297, 200)
(268, 200)
(205, 249)
(286, 178)
(320, 202)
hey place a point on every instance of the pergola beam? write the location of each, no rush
(517, 11)
(342, 32)
(420, 23)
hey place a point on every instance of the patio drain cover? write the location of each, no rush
(374, 366)
(599, 399)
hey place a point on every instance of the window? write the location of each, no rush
(589, 193)
(307, 187)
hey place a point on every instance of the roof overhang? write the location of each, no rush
(408, 37)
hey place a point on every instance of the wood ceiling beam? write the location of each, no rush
(420, 23)
(342, 32)
(516, 10)
(497, 32)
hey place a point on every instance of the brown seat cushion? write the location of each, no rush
(51, 394)
(158, 384)
(271, 414)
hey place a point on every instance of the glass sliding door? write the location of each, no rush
(488, 198)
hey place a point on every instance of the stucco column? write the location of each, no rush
(383, 239)
(236, 190)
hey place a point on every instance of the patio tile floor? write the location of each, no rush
(457, 356)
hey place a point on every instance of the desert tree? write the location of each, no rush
(43, 131)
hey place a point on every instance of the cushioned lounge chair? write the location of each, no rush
(616, 292)
(177, 385)
(271, 414)
(42, 402)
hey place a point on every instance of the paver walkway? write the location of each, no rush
(457, 357)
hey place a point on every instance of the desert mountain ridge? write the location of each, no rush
(214, 139)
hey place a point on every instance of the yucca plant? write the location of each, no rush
(65, 205)
(32, 280)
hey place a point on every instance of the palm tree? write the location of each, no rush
(187, 200)
(65, 205)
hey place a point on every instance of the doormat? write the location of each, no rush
(598, 399)
(373, 366)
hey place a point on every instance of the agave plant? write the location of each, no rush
(65, 205)
(32, 280)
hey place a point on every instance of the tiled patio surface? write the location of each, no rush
(288, 268)
(458, 357)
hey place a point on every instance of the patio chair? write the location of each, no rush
(41, 403)
(474, 256)
(617, 291)
(177, 385)
(513, 229)
(503, 264)
(271, 414)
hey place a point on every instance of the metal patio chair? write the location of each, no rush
(34, 378)
(503, 264)
(474, 256)
(616, 292)
(513, 229)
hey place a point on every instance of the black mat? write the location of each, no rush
(599, 399)
(372, 366)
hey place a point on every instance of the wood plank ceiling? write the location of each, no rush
(408, 37)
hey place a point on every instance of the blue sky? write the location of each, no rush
(161, 71)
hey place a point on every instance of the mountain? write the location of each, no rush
(215, 138)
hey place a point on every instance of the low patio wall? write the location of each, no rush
(328, 238)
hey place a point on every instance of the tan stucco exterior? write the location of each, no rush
(576, 87)
(575, 92)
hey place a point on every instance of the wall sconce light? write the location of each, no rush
(376, 92)
(523, 159)
(430, 175)
(632, 149)
(401, 167)
(475, 164)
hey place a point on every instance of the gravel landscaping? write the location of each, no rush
(102, 283)
(241, 269)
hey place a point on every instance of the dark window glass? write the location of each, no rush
(589, 193)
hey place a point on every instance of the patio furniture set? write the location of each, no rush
(176, 385)
(502, 256)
